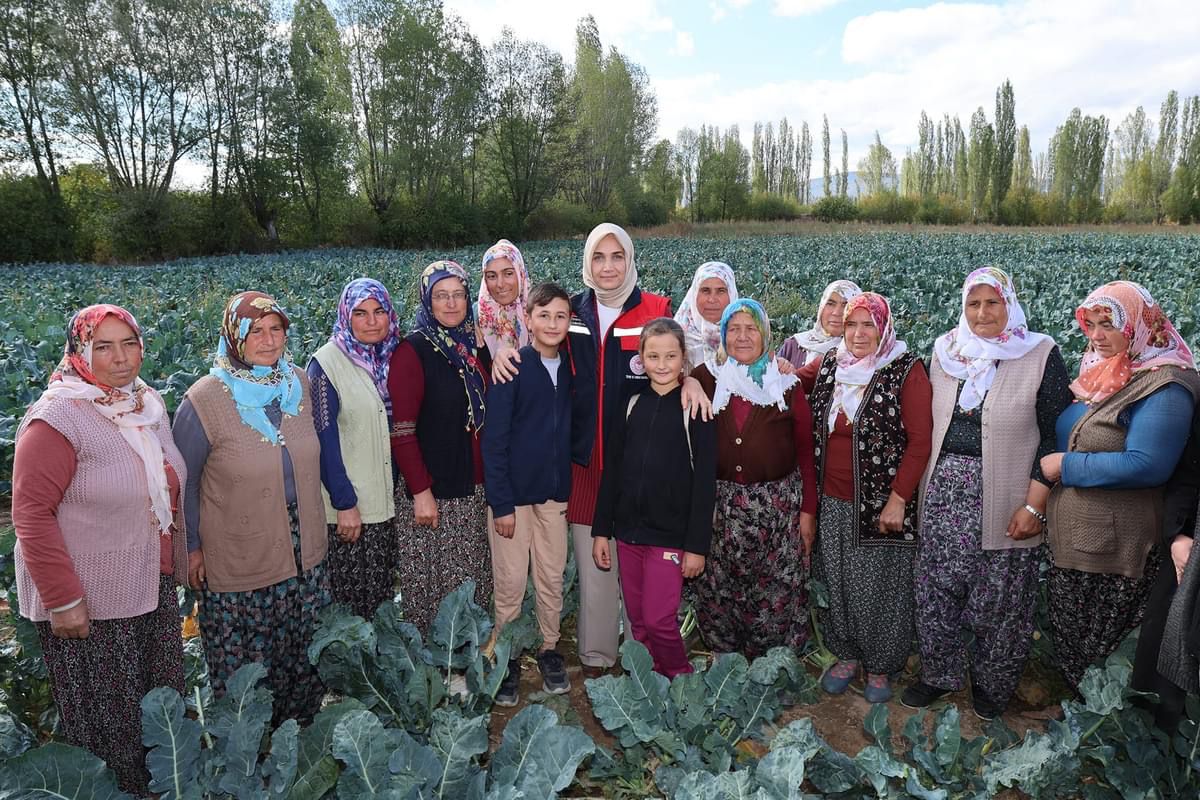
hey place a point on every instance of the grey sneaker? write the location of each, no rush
(554, 672)
(510, 687)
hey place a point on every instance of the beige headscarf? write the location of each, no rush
(613, 298)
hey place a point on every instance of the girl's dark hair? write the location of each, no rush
(664, 326)
(543, 294)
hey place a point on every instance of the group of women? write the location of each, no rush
(921, 497)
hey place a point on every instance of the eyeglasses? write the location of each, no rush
(443, 297)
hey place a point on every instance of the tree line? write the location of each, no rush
(387, 122)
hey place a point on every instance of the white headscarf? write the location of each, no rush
(613, 298)
(972, 359)
(853, 374)
(817, 339)
(703, 337)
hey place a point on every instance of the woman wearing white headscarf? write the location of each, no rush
(713, 288)
(998, 389)
(826, 333)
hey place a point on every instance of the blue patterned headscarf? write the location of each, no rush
(759, 314)
(374, 358)
(457, 344)
(255, 387)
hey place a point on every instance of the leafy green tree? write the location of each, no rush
(979, 162)
(1022, 179)
(804, 164)
(845, 181)
(660, 176)
(529, 139)
(616, 116)
(877, 170)
(1005, 146)
(1077, 154)
(1164, 149)
(687, 156)
(825, 151)
(925, 160)
(1181, 201)
(724, 175)
(321, 110)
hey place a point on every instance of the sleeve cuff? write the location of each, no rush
(67, 607)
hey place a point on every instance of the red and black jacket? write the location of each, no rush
(601, 396)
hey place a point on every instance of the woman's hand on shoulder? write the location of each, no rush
(196, 574)
(695, 400)
(693, 564)
(72, 623)
(504, 365)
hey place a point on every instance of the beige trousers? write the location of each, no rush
(540, 542)
(598, 623)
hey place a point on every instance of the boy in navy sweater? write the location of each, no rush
(527, 479)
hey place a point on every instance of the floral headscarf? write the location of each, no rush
(761, 382)
(817, 339)
(255, 387)
(136, 409)
(374, 358)
(972, 359)
(853, 373)
(613, 298)
(504, 326)
(1153, 340)
(703, 337)
(456, 344)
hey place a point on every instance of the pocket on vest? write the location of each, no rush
(1094, 531)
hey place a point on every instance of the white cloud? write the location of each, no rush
(800, 8)
(1105, 57)
(720, 8)
(685, 45)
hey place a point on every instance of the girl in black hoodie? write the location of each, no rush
(657, 491)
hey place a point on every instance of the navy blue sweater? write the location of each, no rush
(526, 443)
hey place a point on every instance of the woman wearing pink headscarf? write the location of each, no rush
(1119, 443)
(100, 538)
(503, 292)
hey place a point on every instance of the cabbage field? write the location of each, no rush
(392, 730)
(179, 303)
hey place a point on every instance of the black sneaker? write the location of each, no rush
(554, 672)
(510, 687)
(984, 708)
(921, 694)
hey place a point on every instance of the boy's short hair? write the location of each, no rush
(545, 293)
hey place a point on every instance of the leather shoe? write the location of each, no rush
(594, 672)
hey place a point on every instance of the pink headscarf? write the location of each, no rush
(854, 373)
(1153, 340)
(504, 326)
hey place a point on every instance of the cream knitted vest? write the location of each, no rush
(107, 524)
(1010, 438)
(362, 424)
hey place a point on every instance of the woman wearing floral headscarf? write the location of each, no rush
(753, 595)
(826, 333)
(438, 382)
(503, 292)
(998, 389)
(256, 519)
(870, 396)
(100, 543)
(1119, 442)
(713, 289)
(352, 412)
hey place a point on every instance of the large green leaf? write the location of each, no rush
(460, 628)
(316, 769)
(538, 756)
(174, 742)
(58, 770)
(362, 743)
(458, 741)
(279, 769)
(238, 722)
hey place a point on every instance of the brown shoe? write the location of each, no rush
(593, 672)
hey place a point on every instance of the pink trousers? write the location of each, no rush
(651, 583)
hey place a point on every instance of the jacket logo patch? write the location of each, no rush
(636, 366)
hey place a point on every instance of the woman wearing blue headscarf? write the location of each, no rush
(255, 517)
(752, 595)
(352, 412)
(437, 380)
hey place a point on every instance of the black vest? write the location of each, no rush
(442, 432)
(878, 446)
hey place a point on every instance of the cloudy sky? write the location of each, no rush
(875, 65)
